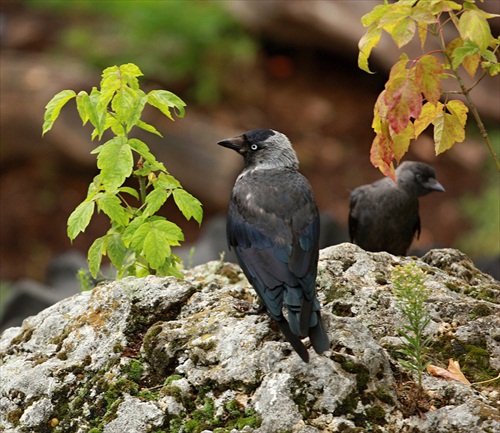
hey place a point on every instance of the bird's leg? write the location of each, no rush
(251, 309)
(257, 309)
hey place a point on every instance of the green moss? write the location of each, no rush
(304, 406)
(94, 430)
(474, 359)
(481, 292)
(63, 356)
(134, 370)
(152, 333)
(173, 391)
(384, 395)
(361, 372)
(348, 405)
(23, 337)
(14, 416)
(338, 291)
(381, 278)
(376, 414)
(148, 395)
(170, 379)
(480, 310)
(203, 418)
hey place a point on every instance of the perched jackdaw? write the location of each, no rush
(273, 227)
(384, 216)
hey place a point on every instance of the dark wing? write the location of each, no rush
(353, 220)
(417, 227)
(273, 225)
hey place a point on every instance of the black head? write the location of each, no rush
(263, 148)
(417, 177)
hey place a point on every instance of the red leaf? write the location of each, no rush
(381, 154)
(404, 100)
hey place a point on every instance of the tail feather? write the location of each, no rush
(294, 340)
(318, 336)
(305, 317)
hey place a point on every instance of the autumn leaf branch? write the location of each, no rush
(411, 101)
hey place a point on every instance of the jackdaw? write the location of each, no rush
(384, 216)
(273, 227)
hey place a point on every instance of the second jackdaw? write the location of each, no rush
(384, 216)
(273, 227)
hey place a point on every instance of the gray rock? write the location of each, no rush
(162, 354)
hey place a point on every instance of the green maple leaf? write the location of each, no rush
(115, 161)
(462, 51)
(110, 204)
(164, 100)
(94, 255)
(80, 218)
(188, 205)
(128, 105)
(115, 249)
(53, 108)
(155, 200)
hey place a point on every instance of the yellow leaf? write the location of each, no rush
(399, 69)
(474, 26)
(422, 34)
(449, 128)
(427, 115)
(379, 113)
(374, 15)
(471, 63)
(369, 41)
(401, 141)
(402, 32)
(459, 110)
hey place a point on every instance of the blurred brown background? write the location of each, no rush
(239, 65)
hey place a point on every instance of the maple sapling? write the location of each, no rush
(138, 241)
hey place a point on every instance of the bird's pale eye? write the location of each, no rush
(419, 177)
(254, 147)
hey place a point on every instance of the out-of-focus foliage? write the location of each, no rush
(190, 42)
(483, 211)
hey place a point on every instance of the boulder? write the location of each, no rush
(159, 354)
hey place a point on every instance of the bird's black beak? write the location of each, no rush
(433, 185)
(234, 143)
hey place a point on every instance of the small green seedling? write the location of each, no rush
(408, 286)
